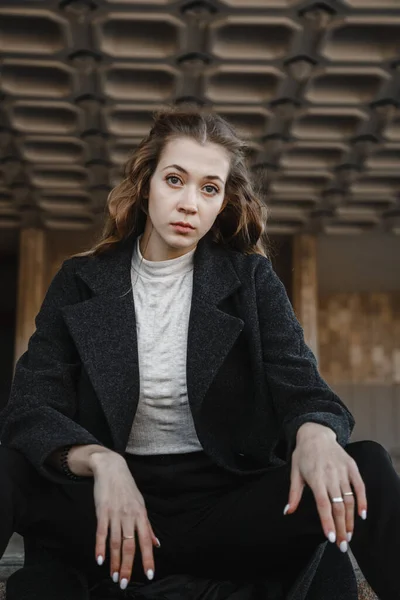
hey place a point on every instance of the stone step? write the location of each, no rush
(13, 557)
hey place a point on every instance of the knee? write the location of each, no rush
(13, 464)
(372, 459)
(367, 449)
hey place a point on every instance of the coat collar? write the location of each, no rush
(104, 329)
(214, 276)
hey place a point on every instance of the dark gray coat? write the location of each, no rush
(251, 379)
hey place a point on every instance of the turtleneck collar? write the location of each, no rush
(151, 269)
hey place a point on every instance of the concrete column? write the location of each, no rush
(305, 287)
(31, 284)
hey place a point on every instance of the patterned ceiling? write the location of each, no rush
(313, 86)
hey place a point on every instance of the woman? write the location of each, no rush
(169, 384)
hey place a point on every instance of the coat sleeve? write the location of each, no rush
(39, 416)
(298, 391)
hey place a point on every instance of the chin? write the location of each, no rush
(182, 239)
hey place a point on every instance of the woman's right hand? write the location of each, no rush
(120, 511)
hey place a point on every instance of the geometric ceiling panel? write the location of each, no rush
(247, 84)
(60, 177)
(136, 2)
(247, 122)
(387, 157)
(372, 4)
(241, 38)
(313, 87)
(39, 32)
(349, 86)
(328, 124)
(121, 149)
(317, 155)
(261, 3)
(392, 130)
(290, 182)
(128, 120)
(52, 149)
(126, 35)
(64, 203)
(366, 39)
(37, 78)
(44, 117)
(125, 82)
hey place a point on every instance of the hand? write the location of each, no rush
(120, 508)
(319, 461)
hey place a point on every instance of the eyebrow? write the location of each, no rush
(182, 170)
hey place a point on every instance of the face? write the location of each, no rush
(188, 185)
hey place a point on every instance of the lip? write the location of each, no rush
(183, 225)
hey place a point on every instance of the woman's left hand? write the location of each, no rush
(321, 463)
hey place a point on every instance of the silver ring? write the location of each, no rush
(128, 537)
(348, 494)
(337, 499)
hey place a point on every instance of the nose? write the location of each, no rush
(188, 200)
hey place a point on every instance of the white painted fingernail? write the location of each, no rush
(158, 542)
(364, 514)
(349, 536)
(150, 574)
(115, 577)
(332, 537)
(100, 560)
(123, 584)
(343, 546)
(286, 509)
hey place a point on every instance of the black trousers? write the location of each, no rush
(210, 522)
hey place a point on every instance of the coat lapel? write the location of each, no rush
(104, 330)
(212, 332)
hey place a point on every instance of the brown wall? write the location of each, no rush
(359, 331)
(360, 337)
(361, 263)
(62, 244)
(360, 357)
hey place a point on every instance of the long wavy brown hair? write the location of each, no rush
(241, 225)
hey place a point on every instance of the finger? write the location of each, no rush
(115, 549)
(101, 536)
(349, 505)
(296, 490)
(324, 508)
(359, 489)
(339, 516)
(128, 555)
(146, 547)
(154, 538)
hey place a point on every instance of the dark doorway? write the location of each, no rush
(8, 308)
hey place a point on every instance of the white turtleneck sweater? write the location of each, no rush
(162, 292)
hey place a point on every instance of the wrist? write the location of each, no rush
(99, 456)
(79, 458)
(311, 430)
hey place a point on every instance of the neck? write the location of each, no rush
(155, 249)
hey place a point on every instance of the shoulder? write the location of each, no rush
(250, 265)
(64, 286)
(71, 265)
(257, 274)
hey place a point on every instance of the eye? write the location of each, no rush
(171, 177)
(213, 188)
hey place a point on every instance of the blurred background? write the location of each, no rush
(315, 89)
